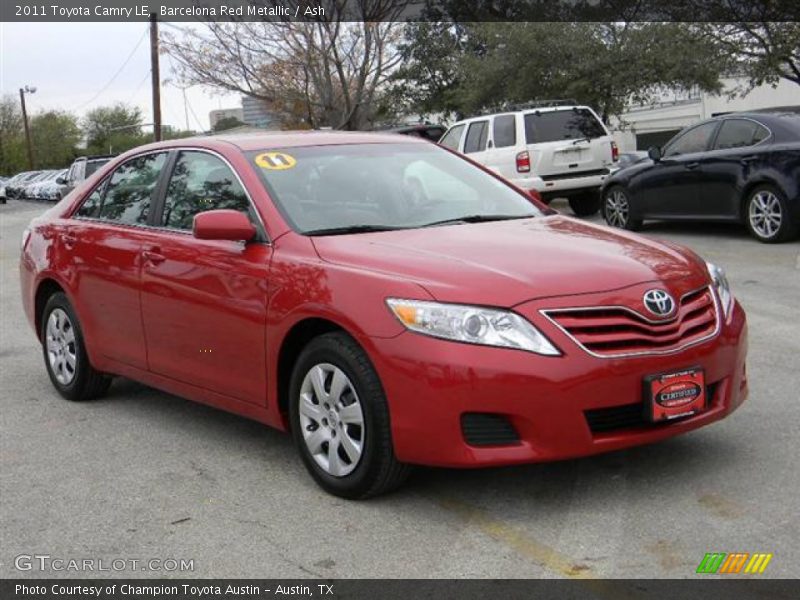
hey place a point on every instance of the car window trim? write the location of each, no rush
(719, 129)
(161, 197)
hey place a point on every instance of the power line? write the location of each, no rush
(114, 77)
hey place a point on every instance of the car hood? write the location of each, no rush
(506, 263)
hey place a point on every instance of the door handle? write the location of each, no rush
(692, 165)
(69, 240)
(152, 257)
(748, 159)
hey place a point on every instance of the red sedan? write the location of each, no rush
(387, 301)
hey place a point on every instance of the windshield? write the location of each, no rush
(552, 126)
(334, 189)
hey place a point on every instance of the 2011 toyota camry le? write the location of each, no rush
(386, 300)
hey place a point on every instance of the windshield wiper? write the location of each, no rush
(477, 219)
(352, 229)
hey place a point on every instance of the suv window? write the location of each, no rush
(93, 165)
(476, 137)
(504, 131)
(694, 140)
(452, 137)
(129, 191)
(553, 126)
(200, 182)
(738, 133)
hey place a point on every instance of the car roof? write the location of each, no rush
(523, 111)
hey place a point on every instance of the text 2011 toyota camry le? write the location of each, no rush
(384, 299)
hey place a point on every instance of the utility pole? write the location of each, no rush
(155, 77)
(22, 91)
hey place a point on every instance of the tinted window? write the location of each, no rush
(200, 182)
(476, 137)
(504, 131)
(452, 137)
(91, 206)
(737, 133)
(130, 189)
(562, 125)
(694, 140)
(93, 165)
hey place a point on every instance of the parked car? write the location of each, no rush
(16, 186)
(742, 167)
(558, 149)
(82, 168)
(295, 279)
(50, 188)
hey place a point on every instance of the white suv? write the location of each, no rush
(559, 150)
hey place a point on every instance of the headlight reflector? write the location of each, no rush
(720, 281)
(471, 324)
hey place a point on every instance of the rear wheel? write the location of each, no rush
(617, 210)
(65, 354)
(767, 216)
(340, 420)
(585, 204)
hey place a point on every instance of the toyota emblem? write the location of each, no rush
(659, 302)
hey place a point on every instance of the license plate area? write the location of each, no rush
(675, 394)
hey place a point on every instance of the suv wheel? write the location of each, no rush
(617, 210)
(65, 354)
(585, 204)
(767, 215)
(340, 420)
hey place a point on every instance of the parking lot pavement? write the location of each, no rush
(141, 474)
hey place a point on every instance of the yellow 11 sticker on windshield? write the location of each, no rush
(276, 161)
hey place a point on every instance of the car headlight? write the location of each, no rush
(471, 324)
(720, 282)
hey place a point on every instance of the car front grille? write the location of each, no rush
(619, 331)
(486, 429)
(631, 416)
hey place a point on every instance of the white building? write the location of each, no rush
(653, 125)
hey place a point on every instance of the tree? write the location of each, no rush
(226, 123)
(55, 135)
(113, 129)
(327, 72)
(12, 137)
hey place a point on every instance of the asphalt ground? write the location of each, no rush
(144, 475)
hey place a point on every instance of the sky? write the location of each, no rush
(71, 65)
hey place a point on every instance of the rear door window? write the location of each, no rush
(553, 126)
(452, 137)
(739, 133)
(129, 192)
(504, 131)
(476, 137)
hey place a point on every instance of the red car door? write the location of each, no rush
(103, 243)
(204, 301)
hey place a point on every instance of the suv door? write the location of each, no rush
(725, 169)
(204, 301)
(670, 186)
(102, 243)
(501, 153)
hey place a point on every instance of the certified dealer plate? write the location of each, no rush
(674, 395)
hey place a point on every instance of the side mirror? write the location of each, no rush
(61, 181)
(654, 152)
(223, 224)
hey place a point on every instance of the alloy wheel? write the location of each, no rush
(331, 419)
(765, 214)
(617, 209)
(61, 348)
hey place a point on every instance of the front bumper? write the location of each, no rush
(431, 383)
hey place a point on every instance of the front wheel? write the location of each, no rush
(585, 204)
(767, 216)
(617, 210)
(340, 420)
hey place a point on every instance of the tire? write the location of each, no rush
(617, 209)
(362, 462)
(585, 204)
(767, 215)
(64, 352)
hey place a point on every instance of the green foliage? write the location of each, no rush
(54, 136)
(114, 129)
(226, 123)
(12, 137)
